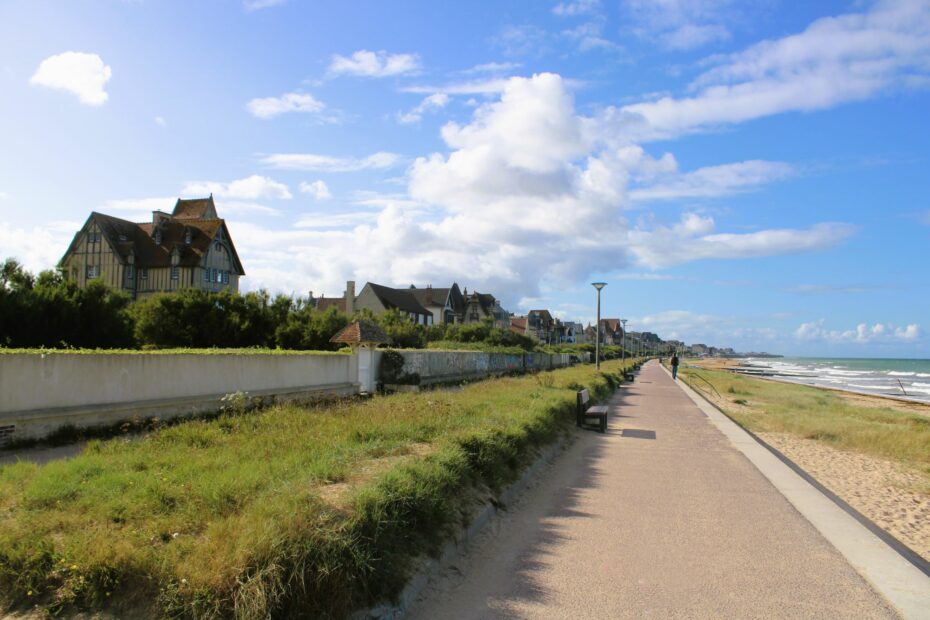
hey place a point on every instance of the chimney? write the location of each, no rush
(429, 294)
(350, 297)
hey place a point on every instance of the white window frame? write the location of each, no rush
(176, 273)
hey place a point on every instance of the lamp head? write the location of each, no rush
(598, 285)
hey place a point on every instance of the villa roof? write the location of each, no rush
(402, 299)
(360, 332)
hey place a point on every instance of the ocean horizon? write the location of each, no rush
(899, 377)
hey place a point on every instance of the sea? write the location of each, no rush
(908, 378)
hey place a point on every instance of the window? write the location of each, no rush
(218, 246)
(93, 271)
(157, 237)
(93, 237)
(206, 275)
(143, 274)
(215, 276)
(129, 272)
(175, 273)
(225, 277)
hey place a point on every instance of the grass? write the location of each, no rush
(304, 512)
(211, 351)
(822, 415)
(451, 345)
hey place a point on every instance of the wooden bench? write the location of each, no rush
(628, 376)
(588, 412)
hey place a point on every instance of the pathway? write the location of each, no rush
(660, 518)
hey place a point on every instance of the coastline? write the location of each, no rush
(913, 405)
(894, 493)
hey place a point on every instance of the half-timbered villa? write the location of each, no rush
(188, 248)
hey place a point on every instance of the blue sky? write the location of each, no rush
(749, 174)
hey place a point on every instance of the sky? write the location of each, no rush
(749, 174)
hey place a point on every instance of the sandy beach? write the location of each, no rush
(894, 496)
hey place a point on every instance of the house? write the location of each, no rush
(346, 303)
(189, 248)
(518, 325)
(481, 306)
(574, 333)
(611, 331)
(446, 304)
(539, 325)
(380, 299)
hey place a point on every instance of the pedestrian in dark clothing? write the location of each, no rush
(675, 366)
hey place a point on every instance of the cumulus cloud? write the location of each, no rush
(374, 64)
(255, 187)
(82, 74)
(37, 248)
(327, 163)
(862, 334)
(318, 189)
(834, 60)
(268, 107)
(529, 194)
(436, 101)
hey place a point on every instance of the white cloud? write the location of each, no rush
(528, 195)
(472, 87)
(834, 60)
(493, 67)
(4, 196)
(589, 36)
(715, 181)
(328, 163)
(161, 122)
(269, 107)
(255, 187)
(317, 189)
(226, 205)
(255, 5)
(38, 248)
(436, 101)
(681, 24)
(578, 7)
(82, 74)
(862, 334)
(374, 64)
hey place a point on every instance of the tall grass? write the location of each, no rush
(829, 417)
(303, 512)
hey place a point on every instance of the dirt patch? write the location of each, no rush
(886, 492)
(338, 493)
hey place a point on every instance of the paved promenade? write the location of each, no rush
(660, 518)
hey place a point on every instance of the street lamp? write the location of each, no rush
(623, 352)
(597, 339)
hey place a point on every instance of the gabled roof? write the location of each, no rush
(430, 296)
(612, 325)
(402, 299)
(542, 313)
(195, 209)
(130, 238)
(518, 324)
(358, 332)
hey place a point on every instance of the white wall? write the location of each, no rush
(41, 392)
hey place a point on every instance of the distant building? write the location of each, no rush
(446, 304)
(481, 306)
(540, 325)
(574, 333)
(611, 331)
(188, 248)
(380, 299)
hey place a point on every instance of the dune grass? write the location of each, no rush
(294, 512)
(813, 413)
(181, 351)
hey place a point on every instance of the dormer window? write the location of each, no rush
(187, 236)
(218, 246)
(157, 237)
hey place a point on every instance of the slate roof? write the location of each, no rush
(612, 325)
(131, 238)
(399, 298)
(195, 209)
(430, 296)
(358, 332)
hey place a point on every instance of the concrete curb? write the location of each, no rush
(451, 551)
(903, 584)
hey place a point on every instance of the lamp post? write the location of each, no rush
(623, 352)
(597, 339)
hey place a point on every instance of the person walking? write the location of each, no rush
(674, 366)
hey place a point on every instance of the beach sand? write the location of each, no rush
(888, 493)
